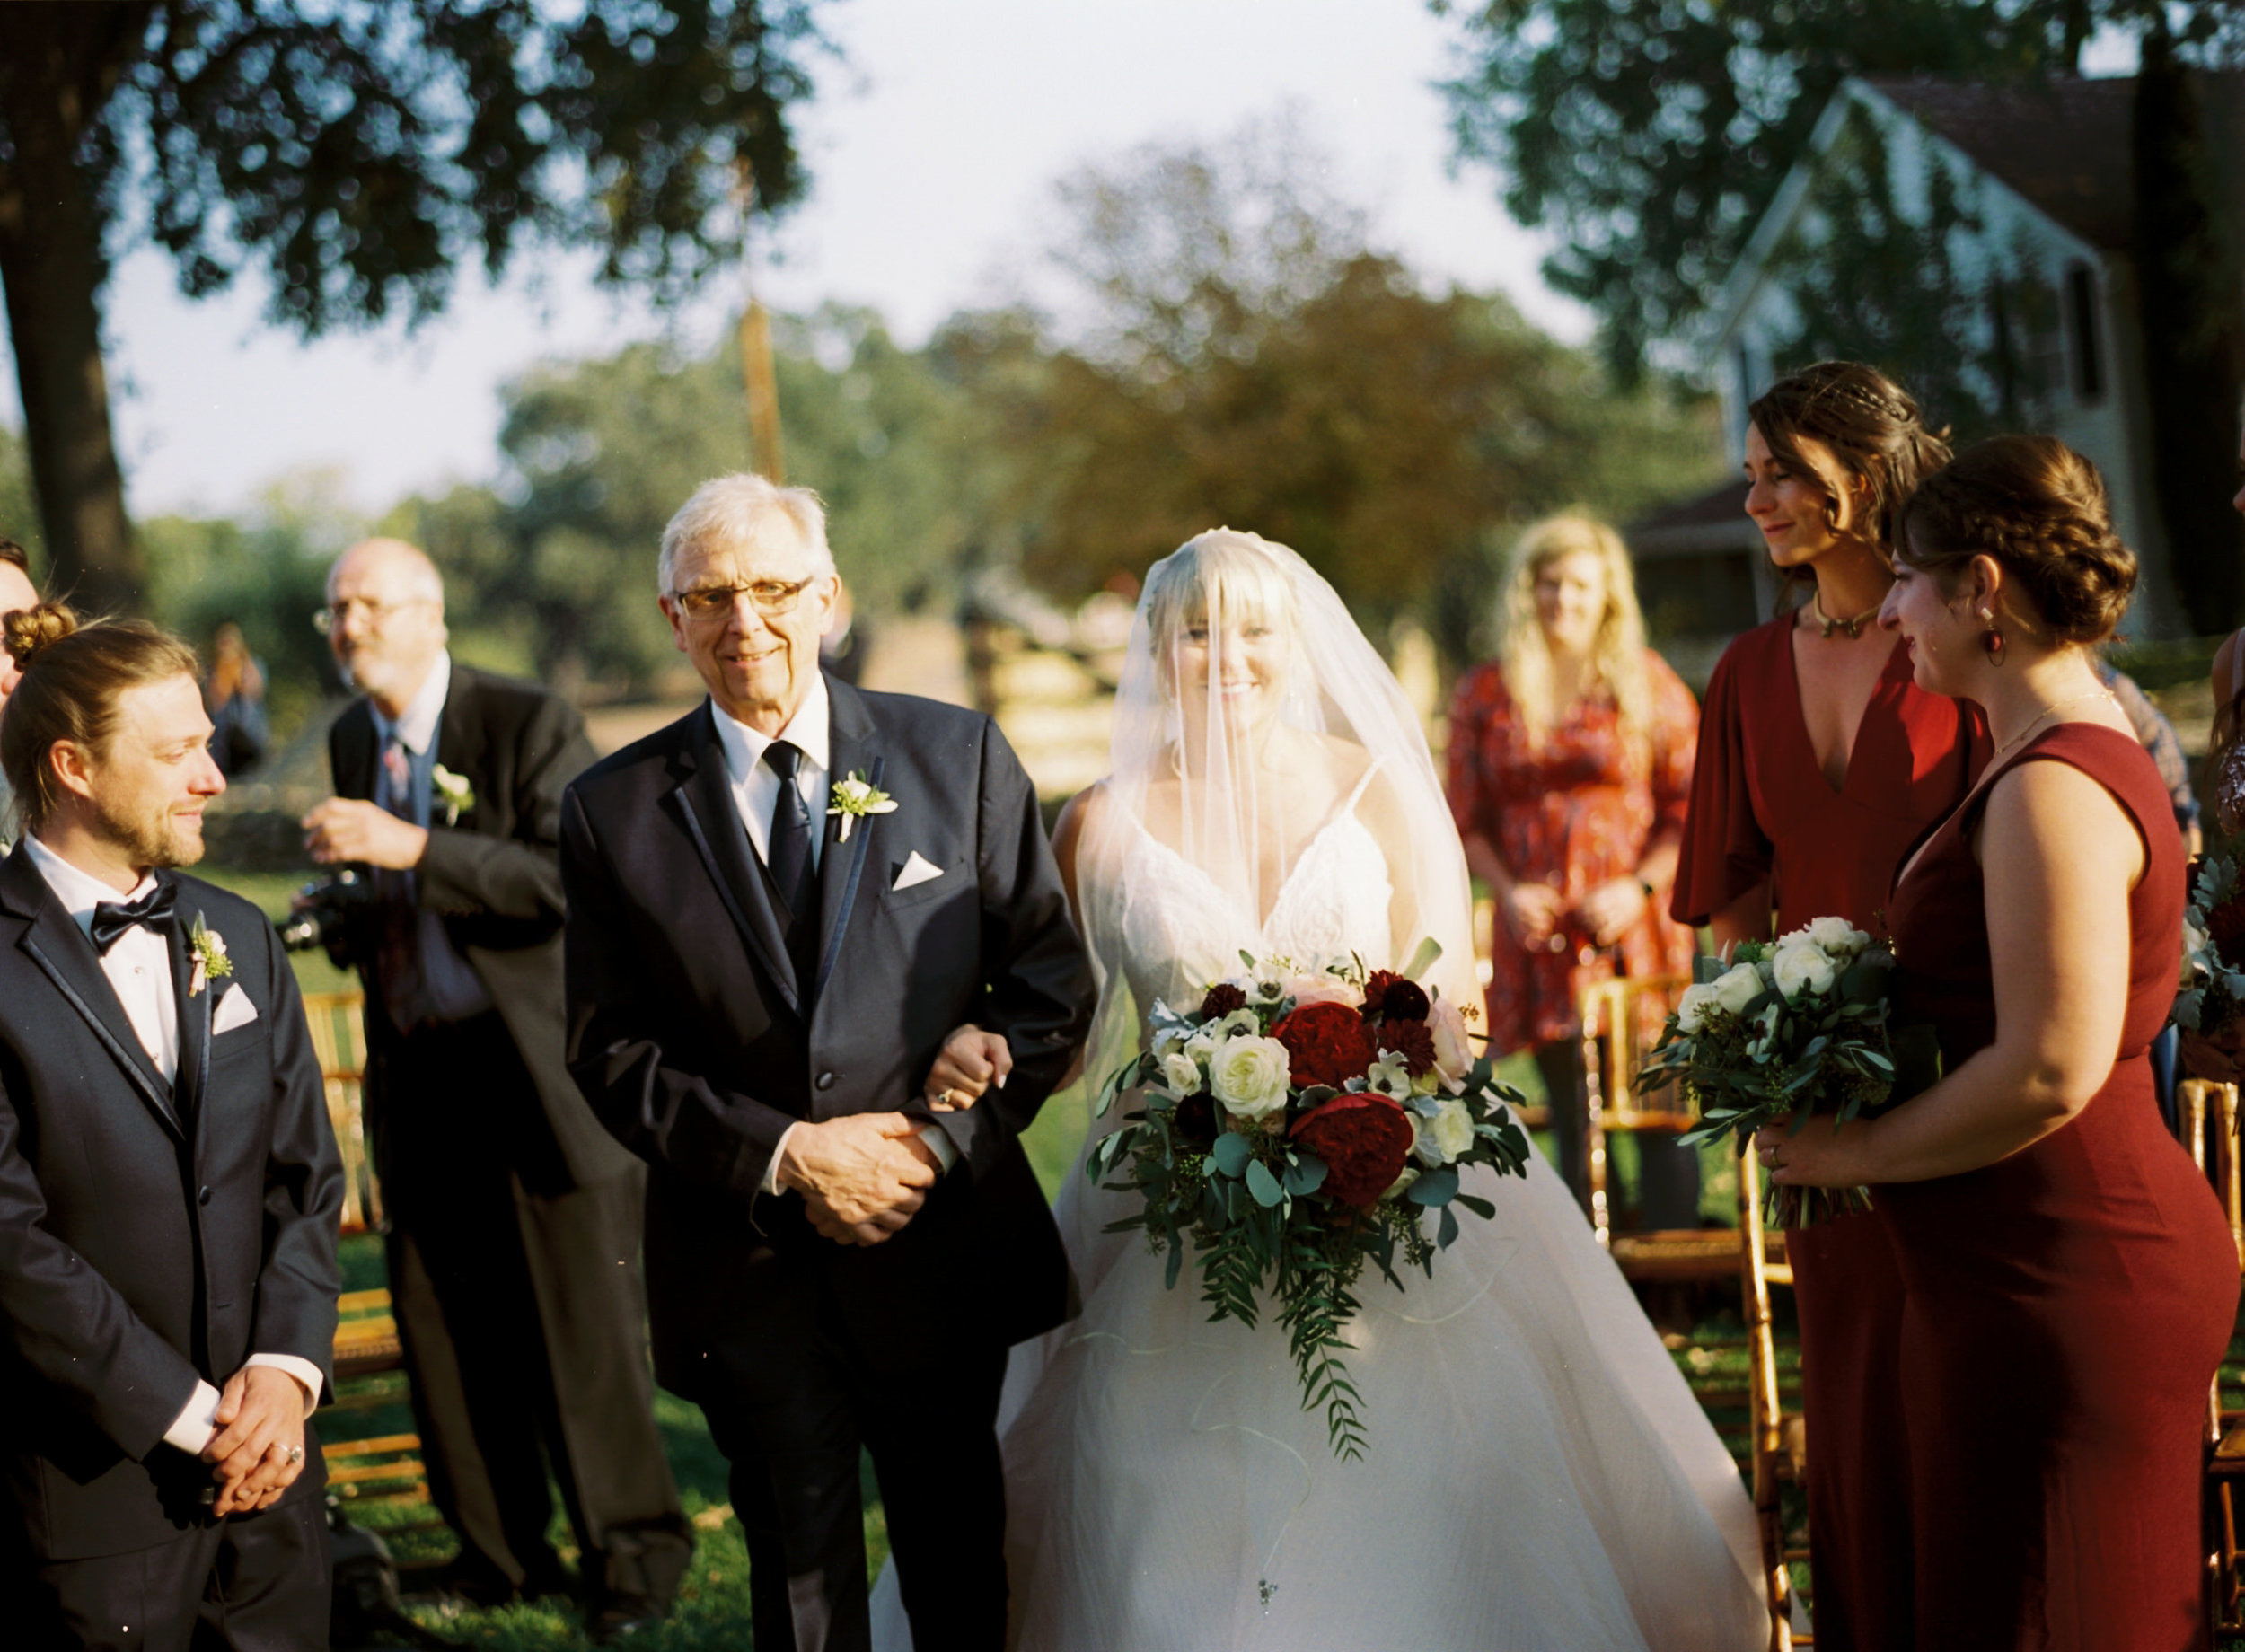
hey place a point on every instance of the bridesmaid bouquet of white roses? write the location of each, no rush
(1297, 1124)
(1788, 1030)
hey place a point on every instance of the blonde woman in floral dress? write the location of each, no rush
(1569, 768)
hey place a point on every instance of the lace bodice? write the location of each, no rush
(1180, 931)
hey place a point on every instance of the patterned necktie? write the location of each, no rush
(397, 949)
(114, 919)
(789, 857)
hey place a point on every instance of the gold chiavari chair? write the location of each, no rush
(1621, 1019)
(2208, 1116)
(1780, 1443)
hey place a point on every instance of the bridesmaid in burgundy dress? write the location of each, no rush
(1819, 761)
(2070, 1281)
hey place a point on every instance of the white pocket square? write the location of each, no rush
(918, 869)
(234, 1010)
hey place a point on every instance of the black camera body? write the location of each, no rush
(324, 907)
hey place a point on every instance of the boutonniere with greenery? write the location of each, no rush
(453, 791)
(855, 797)
(211, 961)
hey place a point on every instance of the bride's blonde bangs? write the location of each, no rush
(1225, 572)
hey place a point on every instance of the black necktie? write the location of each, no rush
(112, 918)
(789, 857)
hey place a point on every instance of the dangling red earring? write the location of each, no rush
(1991, 642)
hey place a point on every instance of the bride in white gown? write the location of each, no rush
(1538, 1475)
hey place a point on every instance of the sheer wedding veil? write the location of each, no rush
(1251, 715)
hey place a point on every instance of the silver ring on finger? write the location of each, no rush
(293, 1455)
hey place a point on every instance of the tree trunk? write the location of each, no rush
(2194, 340)
(61, 64)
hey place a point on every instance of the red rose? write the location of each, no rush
(2226, 927)
(1411, 1039)
(1364, 1139)
(1398, 997)
(1222, 999)
(1327, 1044)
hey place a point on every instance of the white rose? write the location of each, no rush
(1248, 1076)
(1803, 966)
(1696, 1001)
(1452, 1054)
(1838, 937)
(1201, 1045)
(1441, 1138)
(1180, 1073)
(1738, 987)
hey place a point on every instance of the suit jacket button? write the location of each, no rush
(826, 1081)
(203, 1197)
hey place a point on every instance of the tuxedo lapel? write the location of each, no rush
(705, 801)
(852, 749)
(194, 1013)
(59, 949)
(460, 738)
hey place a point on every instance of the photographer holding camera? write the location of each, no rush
(515, 1218)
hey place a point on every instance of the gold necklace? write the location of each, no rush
(1854, 627)
(2050, 710)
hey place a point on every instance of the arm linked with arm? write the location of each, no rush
(1038, 989)
(716, 1139)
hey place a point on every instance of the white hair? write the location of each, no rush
(740, 510)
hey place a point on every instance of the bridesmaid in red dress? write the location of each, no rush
(1819, 761)
(2069, 1276)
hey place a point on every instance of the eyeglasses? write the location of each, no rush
(331, 618)
(770, 597)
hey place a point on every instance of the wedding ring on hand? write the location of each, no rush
(293, 1455)
(943, 1098)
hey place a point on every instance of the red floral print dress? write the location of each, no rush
(1572, 812)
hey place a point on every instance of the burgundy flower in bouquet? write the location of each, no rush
(1327, 1043)
(1365, 1140)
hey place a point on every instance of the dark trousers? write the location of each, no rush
(253, 1583)
(792, 1407)
(523, 1327)
(1667, 1189)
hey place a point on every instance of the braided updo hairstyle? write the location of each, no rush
(72, 676)
(2038, 509)
(1872, 426)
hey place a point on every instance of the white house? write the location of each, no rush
(2024, 199)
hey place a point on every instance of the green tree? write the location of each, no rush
(1243, 358)
(599, 453)
(359, 153)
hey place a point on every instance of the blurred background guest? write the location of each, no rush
(1819, 761)
(2226, 772)
(234, 694)
(1570, 765)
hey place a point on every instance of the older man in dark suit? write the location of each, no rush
(514, 1218)
(169, 1185)
(782, 908)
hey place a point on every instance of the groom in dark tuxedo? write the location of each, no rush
(780, 907)
(169, 1186)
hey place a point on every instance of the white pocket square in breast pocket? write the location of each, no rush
(234, 1010)
(918, 869)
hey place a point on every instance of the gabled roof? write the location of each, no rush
(2063, 144)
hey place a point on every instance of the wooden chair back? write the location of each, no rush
(2206, 1113)
(337, 1020)
(1621, 1020)
(1780, 1443)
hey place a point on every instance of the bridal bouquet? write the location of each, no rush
(1782, 1030)
(1297, 1124)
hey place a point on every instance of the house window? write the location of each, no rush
(2084, 333)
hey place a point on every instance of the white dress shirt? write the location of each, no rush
(755, 788)
(138, 965)
(449, 988)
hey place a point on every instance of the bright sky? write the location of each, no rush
(933, 148)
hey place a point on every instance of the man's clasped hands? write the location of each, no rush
(863, 1176)
(259, 1447)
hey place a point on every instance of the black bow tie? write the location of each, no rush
(112, 918)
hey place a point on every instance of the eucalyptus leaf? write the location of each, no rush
(1446, 1230)
(1434, 1187)
(1262, 1184)
(1305, 1175)
(1231, 1154)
